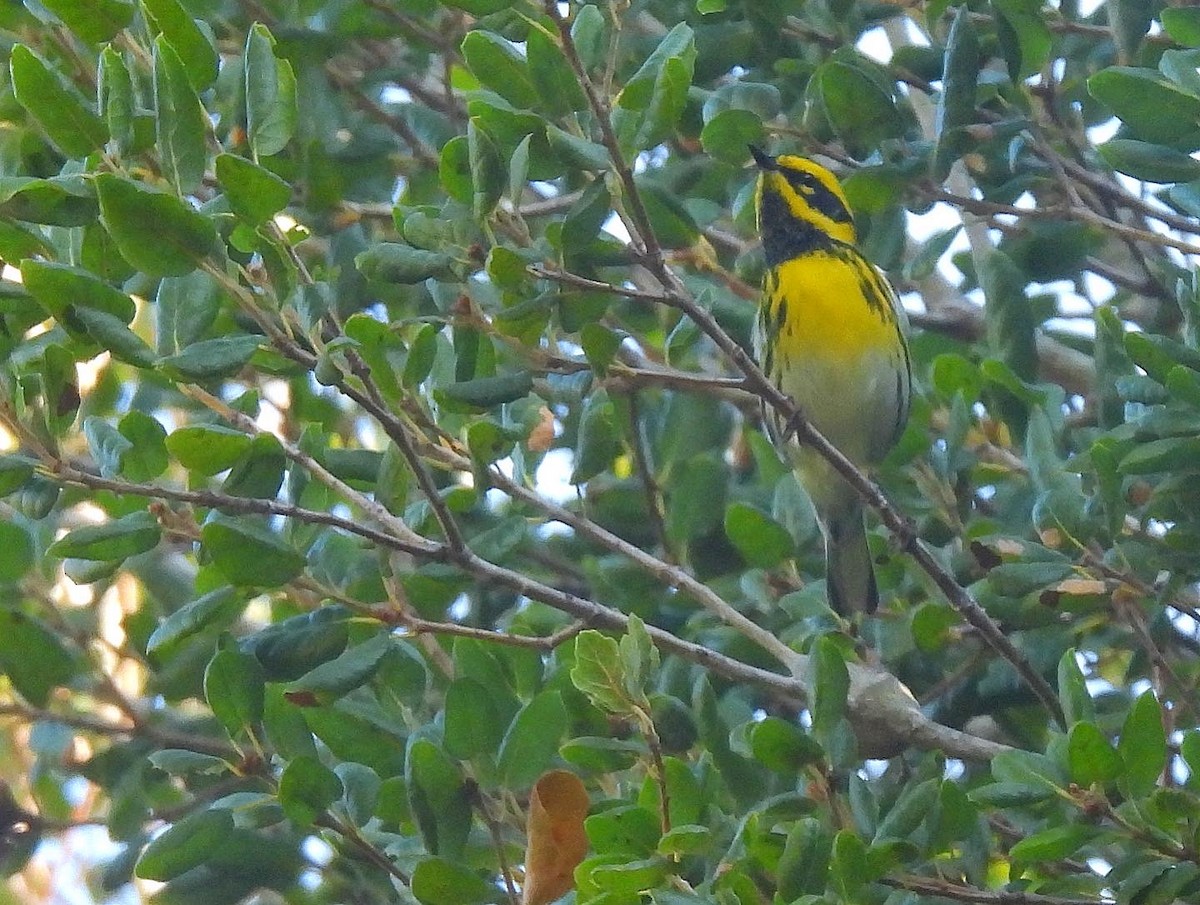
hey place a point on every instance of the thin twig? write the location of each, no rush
(167, 738)
(944, 889)
(210, 499)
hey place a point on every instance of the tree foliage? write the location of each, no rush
(382, 461)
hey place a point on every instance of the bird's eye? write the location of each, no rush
(801, 182)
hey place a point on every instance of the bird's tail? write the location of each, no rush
(849, 572)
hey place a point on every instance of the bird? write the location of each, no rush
(831, 334)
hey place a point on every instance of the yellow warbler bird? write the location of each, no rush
(830, 333)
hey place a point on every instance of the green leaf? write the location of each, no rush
(1054, 844)
(584, 219)
(728, 135)
(687, 839)
(188, 843)
(697, 499)
(15, 470)
(438, 799)
(247, 861)
(1155, 110)
(393, 263)
(626, 830)
(1143, 746)
(157, 233)
(306, 788)
(32, 657)
(472, 725)
(454, 171)
(921, 265)
(601, 755)
(667, 101)
(1025, 38)
(437, 881)
(518, 170)
(532, 740)
(782, 746)
(487, 176)
(506, 268)
(351, 669)
(95, 21)
(215, 609)
(1167, 455)
(16, 552)
(831, 683)
(207, 448)
(247, 554)
(480, 7)
(58, 287)
(558, 90)
(199, 57)
(1182, 24)
(639, 659)
(956, 106)
(186, 306)
(254, 193)
(1016, 579)
(597, 672)
(107, 445)
(673, 224)
(258, 473)
(804, 864)
(109, 332)
(640, 88)
(270, 95)
(589, 33)
(212, 359)
(421, 356)
(577, 152)
(762, 541)
(17, 242)
(1072, 690)
(625, 880)
(1129, 21)
(180, 121)
(54, 103)
(849, 864)
(234, 688)
(931, 623)
(861, 114)
(58, 201)
(178, 762)
(1008, 315)
(912, 809)
(500, 66)
(1151, 162)
(600, 345)
(484, 393)
(289, 649)
(114, 540)
(1159, 354)
(1092, 758)
(114, 89)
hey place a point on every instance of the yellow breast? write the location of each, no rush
(829, 305)
(831, 337)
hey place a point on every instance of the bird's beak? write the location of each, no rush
(764, 160)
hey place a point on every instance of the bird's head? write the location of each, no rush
(796, 196)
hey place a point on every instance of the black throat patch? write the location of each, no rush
(783, 235)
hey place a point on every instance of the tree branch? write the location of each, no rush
(943, 889)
